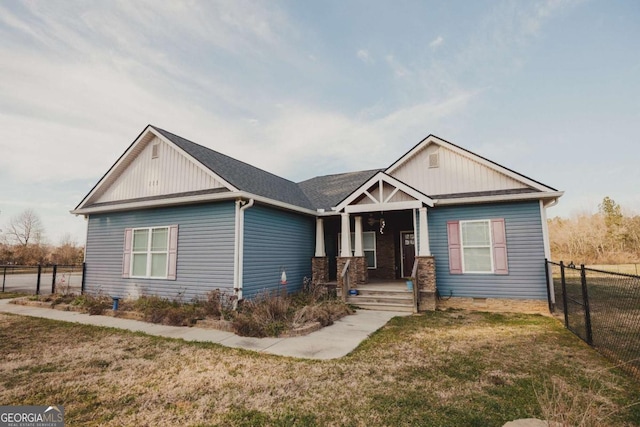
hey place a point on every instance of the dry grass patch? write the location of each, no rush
(443, 368)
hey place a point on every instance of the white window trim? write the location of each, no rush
(463, 247)
(374, 250)
(149, 253)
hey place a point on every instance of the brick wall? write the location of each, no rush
(320, 269)
(358, 274)
(386, 259)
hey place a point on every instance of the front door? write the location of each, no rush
(407, 251)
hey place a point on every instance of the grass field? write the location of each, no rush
(617, 268)
(442, 368)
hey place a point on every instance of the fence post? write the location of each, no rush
(38, 282)
(564, 296)
(546, 273)
(84, 273)
(587, 310)
(53, 281)
(4, 277)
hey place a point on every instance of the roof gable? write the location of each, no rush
(383, 192)
(456, 170)
(184, 167)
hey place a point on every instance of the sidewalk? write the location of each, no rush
(332, 342)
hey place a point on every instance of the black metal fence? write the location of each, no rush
(39, 279)
(601, 307)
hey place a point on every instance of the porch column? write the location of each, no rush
(423, 249)
(345, 236)
(320, 249)
(358, 232)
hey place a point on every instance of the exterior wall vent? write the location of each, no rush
(155, 151)
(434, 160)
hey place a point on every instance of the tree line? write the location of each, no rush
(22, 242)
(607, 237)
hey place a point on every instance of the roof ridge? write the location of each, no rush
(343, 173)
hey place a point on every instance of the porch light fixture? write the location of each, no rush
(371, 221)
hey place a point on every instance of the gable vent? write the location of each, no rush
(434, 160)
(155, 151)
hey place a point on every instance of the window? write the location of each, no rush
(368, 247)
(155, 151)
(150, 252)
(477, 246)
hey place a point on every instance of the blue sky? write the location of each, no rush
(550, 89)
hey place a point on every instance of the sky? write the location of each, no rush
(549, 88)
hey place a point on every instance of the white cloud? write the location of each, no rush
(364, 56)
(399, 70)
(437, 42)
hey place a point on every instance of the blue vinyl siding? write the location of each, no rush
(273, 240)
(205, 251)
(525, 251)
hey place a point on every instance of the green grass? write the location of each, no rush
(443, 369)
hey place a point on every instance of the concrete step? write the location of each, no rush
(385, 307)
(381, 299)
(378, 292)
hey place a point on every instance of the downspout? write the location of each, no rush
(547, 245)
(241, 206)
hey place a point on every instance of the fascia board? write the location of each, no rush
(500, 198)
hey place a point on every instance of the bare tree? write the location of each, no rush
(25, 228)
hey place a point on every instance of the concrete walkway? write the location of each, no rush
(331, 342)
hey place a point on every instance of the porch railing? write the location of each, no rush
(345, 280)
(416, 290)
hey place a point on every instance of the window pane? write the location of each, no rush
(371, 258)
(475, 233)
(477, 259)
(158, 265)
(140, 240)
(368, 240)
(159, 239)
(139, 265)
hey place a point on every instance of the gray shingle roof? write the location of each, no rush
(242, 175)
(327, 191)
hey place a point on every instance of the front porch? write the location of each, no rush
(376, 237)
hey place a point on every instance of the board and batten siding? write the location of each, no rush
(455, 173)
(525, 252)
(275, 240)
(205, 251)
(169, 172)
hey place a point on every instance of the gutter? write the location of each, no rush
(238, 270)
(175, 201)
(500, 198)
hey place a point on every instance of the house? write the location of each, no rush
(175, 219)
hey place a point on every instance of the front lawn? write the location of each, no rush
(438, 369)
